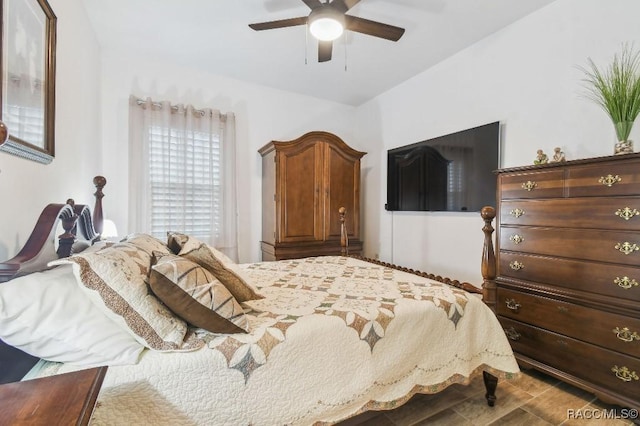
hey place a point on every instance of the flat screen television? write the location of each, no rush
(448, 173)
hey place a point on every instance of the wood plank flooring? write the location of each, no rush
(534, 399)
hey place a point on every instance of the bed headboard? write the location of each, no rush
(79, 231)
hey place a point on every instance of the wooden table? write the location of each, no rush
(64, 399)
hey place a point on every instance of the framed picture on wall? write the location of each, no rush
(28, 36)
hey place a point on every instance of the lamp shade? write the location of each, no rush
(109, 229)
(326, 24)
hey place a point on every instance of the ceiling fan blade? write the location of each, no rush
(283, 23)
(313, 4)
(344, 5)
(324, 50)
(373, 28)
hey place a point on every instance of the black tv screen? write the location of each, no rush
(448, 173)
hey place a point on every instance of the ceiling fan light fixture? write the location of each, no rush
(326, 25)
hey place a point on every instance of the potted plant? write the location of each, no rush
(617, 90)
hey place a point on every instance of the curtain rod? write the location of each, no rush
(202, 112)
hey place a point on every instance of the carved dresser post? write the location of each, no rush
(344, 238)
(98, 218)
(489, 289)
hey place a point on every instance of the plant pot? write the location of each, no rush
(623, 147)
(624, 144)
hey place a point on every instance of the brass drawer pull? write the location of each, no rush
(626, 247)
(625, 282)
(515, 265)
(529, 186)
(626, 335)
(516, 239)
(512, 304)
(624, 374)
(562, 342)
(627, 213)
(609, 180)
(562, 309)
(512, 334)
(516, 213)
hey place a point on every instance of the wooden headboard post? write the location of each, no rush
(344, 237)
(488, 268)
(66, 239)
(98, 219)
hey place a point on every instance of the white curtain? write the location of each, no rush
(182, 172)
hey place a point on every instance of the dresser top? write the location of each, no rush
(67, 398)
(609, 158)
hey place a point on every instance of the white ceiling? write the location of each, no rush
(213, 35)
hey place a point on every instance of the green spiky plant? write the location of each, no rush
(616, 89)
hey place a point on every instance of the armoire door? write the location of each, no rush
(341, 189)
(298, 190)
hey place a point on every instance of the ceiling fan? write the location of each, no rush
(328, 20)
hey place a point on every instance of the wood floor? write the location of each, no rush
(534, 399)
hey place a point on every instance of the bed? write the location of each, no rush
(305, 341)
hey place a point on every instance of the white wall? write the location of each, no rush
(26, 186)
(526, 77)
(262, 115)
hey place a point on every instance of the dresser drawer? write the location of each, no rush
(539, 184)
(606, 246)
(606, 179)
(622, 282)
(612, 331)
(611, 370)
(617, 213)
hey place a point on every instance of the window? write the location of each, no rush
(184, 174)
(182, 164)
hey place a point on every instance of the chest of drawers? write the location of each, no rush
(567, 288)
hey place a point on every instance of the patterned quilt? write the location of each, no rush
(333, 337)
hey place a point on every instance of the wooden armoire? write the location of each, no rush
(304, 183)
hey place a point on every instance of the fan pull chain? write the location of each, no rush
(306, 43)
(344, 41)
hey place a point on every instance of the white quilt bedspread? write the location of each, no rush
(333, 337)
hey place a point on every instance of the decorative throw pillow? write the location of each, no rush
(195, 295)
(115, 278)
(147, 243)
(97, 246)
(215, 262)
(48, 316)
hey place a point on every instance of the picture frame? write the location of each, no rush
(27, 70)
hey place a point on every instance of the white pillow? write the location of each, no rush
(48, 316)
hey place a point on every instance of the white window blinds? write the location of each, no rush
(184, 177)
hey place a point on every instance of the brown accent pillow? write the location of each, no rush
(215, 262)
(176, 240)
(195, 295)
